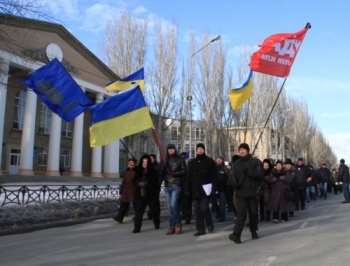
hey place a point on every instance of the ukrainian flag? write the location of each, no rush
(242, 93)
(127, 82)
(119, 116)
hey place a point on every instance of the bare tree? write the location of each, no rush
(162, 89)
(124, 49)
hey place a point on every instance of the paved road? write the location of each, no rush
(319, 235)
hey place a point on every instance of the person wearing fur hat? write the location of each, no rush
(279, 180)
(266, 189)
(127, 190)
(146, 183)
(174, 173)
(201, 172)
(247, 175)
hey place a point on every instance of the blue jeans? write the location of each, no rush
(310, 192)
(323, 189)
(173, 195)
(346, 191)
(221, 208)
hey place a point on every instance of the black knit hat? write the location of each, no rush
(300, 159)
(279, 162)
(200, 145)
(221, 157)
(171, 146)
(289, 161)
(244, 146)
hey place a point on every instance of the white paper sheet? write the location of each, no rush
(207, 189)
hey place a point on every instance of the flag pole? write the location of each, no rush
(268, 118)
(155, 134)
(132, 156)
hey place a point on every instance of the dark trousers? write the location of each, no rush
(123, 209)
(264, 213)
(149, 214)
(140, 210)
(300, 196)
(284, 216)
(186, 207)
(229, 198)
(244, 205)
(202, 212)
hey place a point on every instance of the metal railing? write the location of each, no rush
(25, 194)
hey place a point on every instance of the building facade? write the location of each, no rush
(34, 140)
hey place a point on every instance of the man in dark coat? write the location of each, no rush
(343, 176)
(247, 175)
(324, 175)
(222, 182)
(303, 176)
(201, 174)
(292, 184)
(127, 190)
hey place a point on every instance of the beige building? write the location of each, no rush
(35, 140)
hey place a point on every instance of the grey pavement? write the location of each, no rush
(319, 235)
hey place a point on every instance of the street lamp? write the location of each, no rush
(189, 98)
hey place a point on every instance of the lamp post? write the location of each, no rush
(189, 98)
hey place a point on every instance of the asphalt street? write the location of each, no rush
(319, 235)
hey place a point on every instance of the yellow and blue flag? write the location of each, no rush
(58, 90)
(242, 93)
(127, 82)
(119, 116)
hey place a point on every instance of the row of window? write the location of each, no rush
(43, 156)
(197, 133)
(45, 117)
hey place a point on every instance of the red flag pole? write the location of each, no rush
(155, 134)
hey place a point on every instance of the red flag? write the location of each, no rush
(277, 53)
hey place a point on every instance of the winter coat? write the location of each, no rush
(174, 171)
(223, 179)
(343, 173)
(266, 186)
(279, 181)
(247, 174)
(127, 188)
(302, 173)
(201, 171)
(293, 178)
(146, 181)
(334, 178)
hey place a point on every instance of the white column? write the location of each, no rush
(27, 143)
(97, 151)
(111, 160)
(53, 159)
(77, 147)
(4, 74)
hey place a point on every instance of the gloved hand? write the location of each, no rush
(274, 179)
(282, 177)
(187, 193)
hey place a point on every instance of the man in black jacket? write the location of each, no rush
(303, 176)
(324, 175)
(201, 173)
(343, 177)
(247, 174)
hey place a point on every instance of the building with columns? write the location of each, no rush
(34, 140)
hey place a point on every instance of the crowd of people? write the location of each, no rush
(205, 189)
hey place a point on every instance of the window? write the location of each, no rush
(144, 145)
(153, 148)
(20, 104)
(121, 165)
(176, 133)
(199, 134)
(232, 148)
(43, 153)
(178, 147)
(67, 129)
(121, 144)
(187, 133)
(45, 119)
(66, 157)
